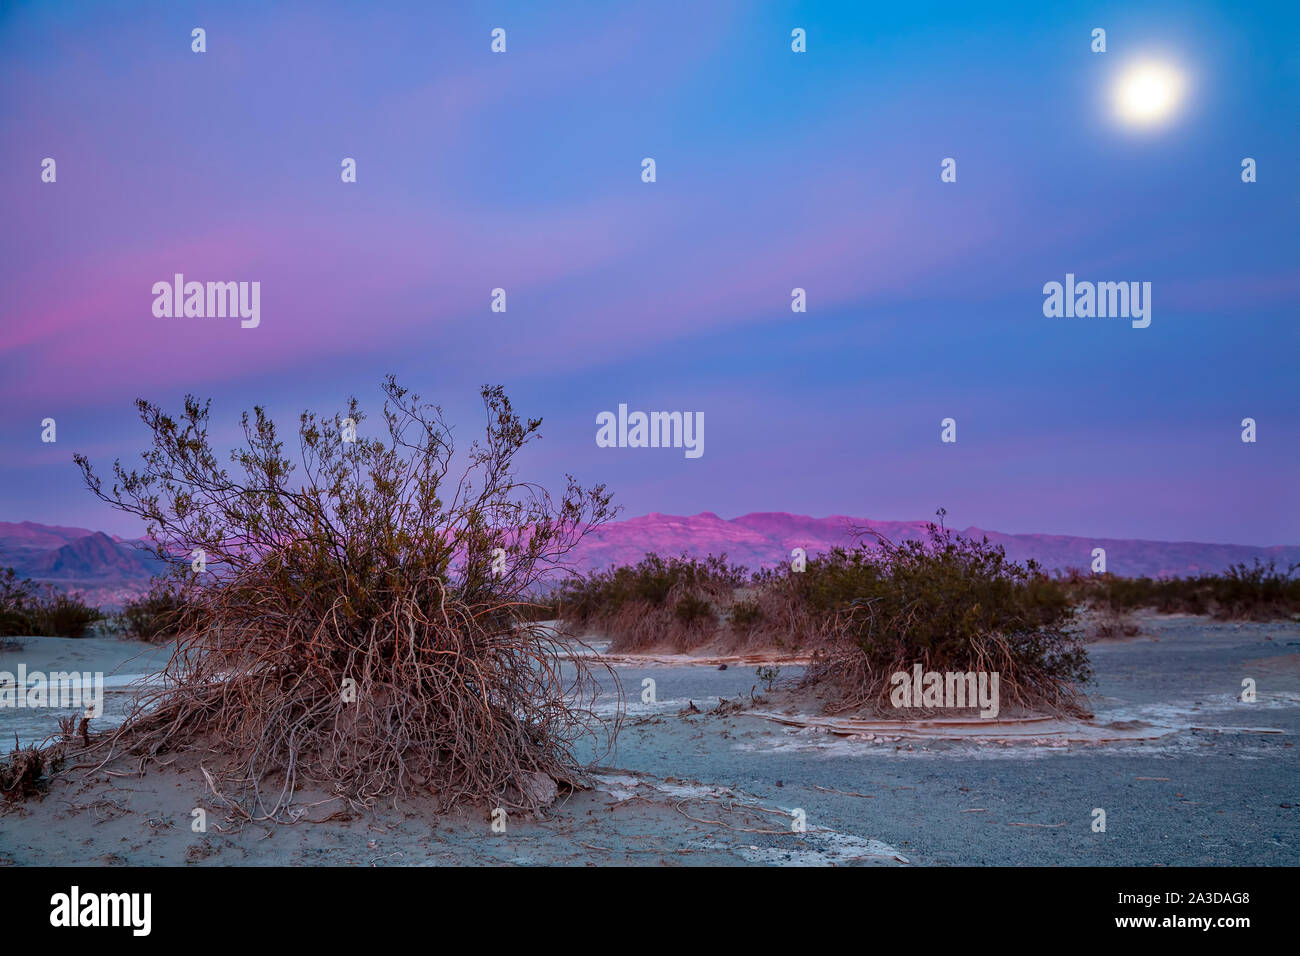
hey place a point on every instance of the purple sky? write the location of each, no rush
(819, 170)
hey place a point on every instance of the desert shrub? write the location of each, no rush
(1258, 592)
(674, 601)
(794, 607)
(1254, 592)
(1118, 595)
(57, 614)
(26, 771)
(1107, 622)
(949, 603)
(28, 608)
(157, 616)
(692, 609)
(17, 600)
(652, 580)
(746, 615)
(360, 621)
(830, 580)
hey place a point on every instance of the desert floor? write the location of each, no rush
(1185, 772)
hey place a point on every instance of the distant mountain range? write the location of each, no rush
(105, 569)
(765, 539)
(109, 570)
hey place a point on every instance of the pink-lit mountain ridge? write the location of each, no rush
(105, 570)
(764, 539)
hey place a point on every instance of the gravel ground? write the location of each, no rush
(1230, 798)
(685, 789)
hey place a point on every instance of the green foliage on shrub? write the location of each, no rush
(674, 601)
(651, 581)
(746, 615)
(934, 599)
(952, 603)
(691, 608)
(829, 582)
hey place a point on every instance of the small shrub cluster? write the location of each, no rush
(27, 770)
(947, 602)
(1256, 591)
(747, 615)
(675, 601)
(30, 609)
(1108, 623)
(158, 616)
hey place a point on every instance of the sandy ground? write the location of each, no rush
(1202, 778)
(123, 665)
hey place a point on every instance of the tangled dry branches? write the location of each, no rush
(364, 629)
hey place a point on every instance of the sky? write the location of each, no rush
(774, 170)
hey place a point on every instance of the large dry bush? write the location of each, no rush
(948, 603)
(361, 625)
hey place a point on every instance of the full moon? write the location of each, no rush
(1148, 93)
